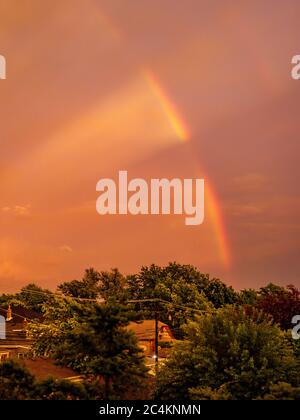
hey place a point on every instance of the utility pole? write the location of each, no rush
(157, 301)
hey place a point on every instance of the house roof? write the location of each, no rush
(43, 368)
(145, 330)
(19, 313)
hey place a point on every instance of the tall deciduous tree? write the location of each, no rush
(105, 285)
(174, 289)
(281, 303)
(113, 286)
(178, 286)
(227, 354)
(87, 288)
(31, 297)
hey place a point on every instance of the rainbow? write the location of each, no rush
(215, 212)
(181, 131)
(168, 107)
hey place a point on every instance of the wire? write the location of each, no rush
(50, 294)
(158, 300)
(154, 300)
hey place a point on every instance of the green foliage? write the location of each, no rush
(145, 284)
(294, 377)
(53, 389)
(243, 354)
(219, 294)
(34, 297)
(207, 393)
(5, 300)
(177, 285)
(31, 297)
(109, 286)
(248, 297)
(271, 289)
(87, 288)
(181, 286)
(228, 352)
(60, 317)
(93, 340)
(283, 391)
(16, 383)
(112, 286)
(296, 346)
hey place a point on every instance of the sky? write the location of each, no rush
(193, 89)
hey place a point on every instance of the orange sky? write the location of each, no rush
(160, 89)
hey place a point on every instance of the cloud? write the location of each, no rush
(251, 182)
(246, 210)
(18, 210)
(65, 248)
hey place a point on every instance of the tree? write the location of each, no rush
(283, 391)
(178, 286)
(87, 288)
(219, 294)
(31, 297)
(173, 290)
(112, 286)
(59, 318)
(144, 283)
(106, 285)
(207, 393)
(228, 352)
(54, 389)
(93, 340)
(279, 302)
(5, 300)
(34, 297)
(16, 383)
(248, 297)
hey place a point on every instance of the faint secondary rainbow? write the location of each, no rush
(182, 132)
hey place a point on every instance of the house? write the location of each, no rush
(145, 332)
(16, 342)
(43, 368)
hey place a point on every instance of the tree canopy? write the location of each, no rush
(228, 354)
(92, 339)
(230, 345)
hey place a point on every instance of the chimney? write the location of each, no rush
(9, 314)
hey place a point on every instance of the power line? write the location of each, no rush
(166, 302)
(153, 300)
(51, 294)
